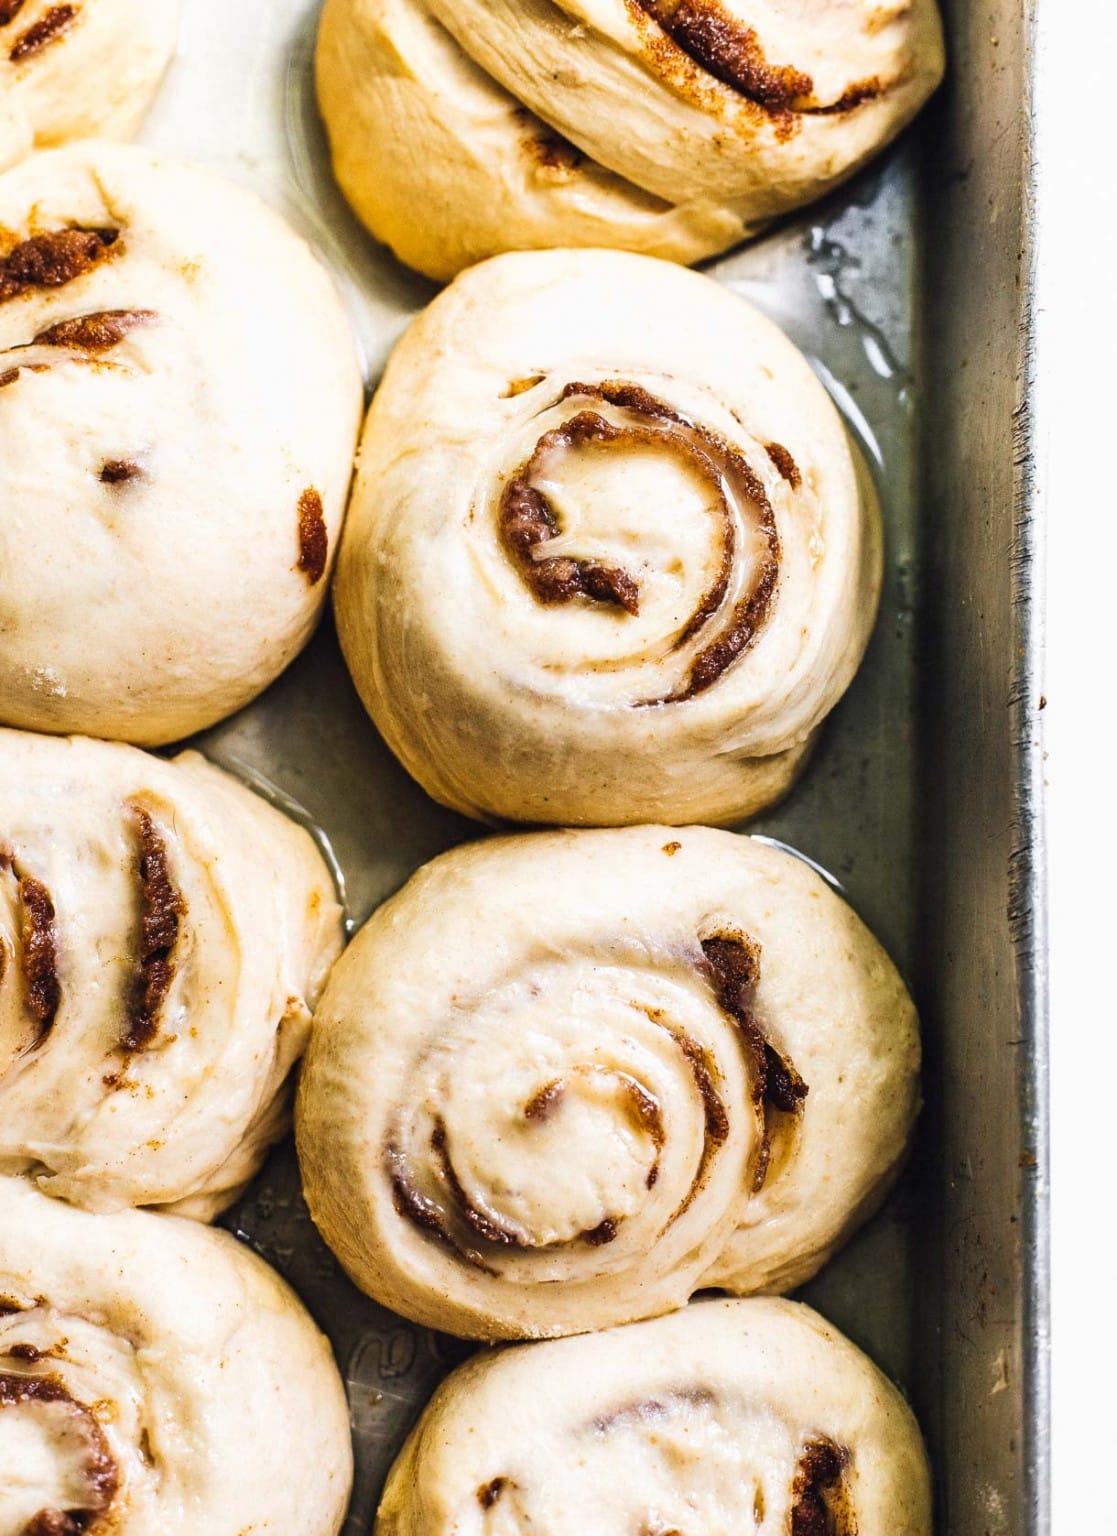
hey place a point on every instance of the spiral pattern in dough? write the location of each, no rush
(611, 556)
(464, 128)
(179, 400)
(729, 1416)
(164, 934)
(563, 1080)
(84, 69)
(157, 1379)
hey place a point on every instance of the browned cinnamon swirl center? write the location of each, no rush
(617, 419)
(581, 1105)
(434, 1194)
(88, 1475)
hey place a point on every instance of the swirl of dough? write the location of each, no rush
(463, 128)
(611, 555)
(563, 1080)
(157, 1379)
(164, 934)
(82, 70)
(447, 168)
(179, 400)
(729, 1416)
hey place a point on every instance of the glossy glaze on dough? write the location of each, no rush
(157, 1379)
(463, 128)
(505, 705)
(179, 400)
(122, 1083)
(79, 70)
(730, 1416)
(533, 1102)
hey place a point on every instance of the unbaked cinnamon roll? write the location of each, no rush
(463, 128)
(447, 168)
(157, 1379)
(611, 555)
(179, 400)
(729, 1416)
(79, 70)
(164, 934)
(563, 1080)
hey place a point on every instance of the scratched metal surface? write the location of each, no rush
(917, 801)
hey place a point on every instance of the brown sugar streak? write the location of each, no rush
(53, 259)
(162, 908)
(726, 50)
(46, 30)
(785, 464)
(733, 967)
(118, 471)
(820, 1504)
(43, 991)
(314, 544)
(95, 332)
(729, 51)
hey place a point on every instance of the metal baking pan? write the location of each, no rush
(911, 292)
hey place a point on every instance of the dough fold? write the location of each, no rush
(164, 935)
(564, 1080)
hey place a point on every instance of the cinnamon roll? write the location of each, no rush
(157, 1379)
(563, 1080)
(730, 1416)
(611, 555)
(179, 400)
(463, 128)
(79, 70)
(164, 934)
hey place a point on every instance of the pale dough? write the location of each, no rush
(157, 1379)
(463, 128)
(179, 401)
(79, 70)
(447, 168)
(730, 1416)
(564, 1080)
(727, 494)
(164, 934)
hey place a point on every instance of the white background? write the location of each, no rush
(1078, 441)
